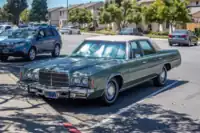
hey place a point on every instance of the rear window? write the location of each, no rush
(180, 31)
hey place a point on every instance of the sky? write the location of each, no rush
(57, 3)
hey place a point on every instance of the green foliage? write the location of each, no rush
(4, 14)
(24, 16)
(80, 15)
(39, 11)
(15, 7)
(127, 12)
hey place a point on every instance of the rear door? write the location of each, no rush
(49, 39)
(40, 45)
(149, 60)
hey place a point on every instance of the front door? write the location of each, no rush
(40, 41)
(49, 39)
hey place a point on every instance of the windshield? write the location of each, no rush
(6, 33)
(100, 49)
(180, 31)
(23, 33)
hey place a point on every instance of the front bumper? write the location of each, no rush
(62, 92)
(13, 52)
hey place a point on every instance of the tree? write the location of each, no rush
(15, 7)
(39, 11)
(128, 12)
(156, 12)
(119, 2)
(177, 12)
(80, 16)
(24, 16)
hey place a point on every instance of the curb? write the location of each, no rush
(52, 111)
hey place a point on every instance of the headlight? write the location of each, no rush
(77, 80)
(85, 81)
(19, 44)
(33, 75)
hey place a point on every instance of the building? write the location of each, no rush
(59, 15)
(53, 15)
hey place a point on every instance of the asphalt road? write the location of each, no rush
(145, 108)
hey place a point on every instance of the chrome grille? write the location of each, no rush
(53, 79)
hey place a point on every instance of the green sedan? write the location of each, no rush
(100, 67)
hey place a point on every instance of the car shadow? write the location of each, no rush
(79, 108)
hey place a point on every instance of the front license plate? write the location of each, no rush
(51, 94)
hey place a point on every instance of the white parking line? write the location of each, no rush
(132, 105)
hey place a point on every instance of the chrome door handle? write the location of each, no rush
(144, 62)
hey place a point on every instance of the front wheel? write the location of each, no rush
(4, 58)
(111, 92)
(161, 79)
(56, 51)
(31, 54)
(170, 44)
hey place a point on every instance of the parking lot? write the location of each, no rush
(145, 108)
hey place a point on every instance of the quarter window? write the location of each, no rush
(146, 47)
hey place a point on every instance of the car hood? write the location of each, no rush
(12, 41)
(80, 66)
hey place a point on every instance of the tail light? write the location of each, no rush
(170, 36)
(183, 36)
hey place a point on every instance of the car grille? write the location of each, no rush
(53, 79)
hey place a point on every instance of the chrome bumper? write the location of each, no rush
(61, 92)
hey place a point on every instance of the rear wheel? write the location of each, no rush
(161, 79)
(170, 44)
(56, 51)
(111, 92)
(4, 58)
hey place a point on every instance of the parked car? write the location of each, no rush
(101, 66)
(28, 42)
(4, 28)
(183, 37)
(5, 34)
(131, 31)
(70, 30)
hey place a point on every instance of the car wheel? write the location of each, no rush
(32, 54)
(79, 32)
(4, 58)
(111, 92)
(170, 44)
(161, 79)
(70, 32)
(56, 51)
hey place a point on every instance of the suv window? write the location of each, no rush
(48, 32)
(146, 47)
(135, 51)
(54, 32)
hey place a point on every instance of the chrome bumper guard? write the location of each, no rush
(56, 92)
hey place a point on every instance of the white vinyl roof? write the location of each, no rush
(116, 38)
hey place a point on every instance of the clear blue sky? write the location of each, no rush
(56, 3)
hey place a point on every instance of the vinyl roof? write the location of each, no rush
(117, 38)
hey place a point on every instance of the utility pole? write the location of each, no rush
(67, 11)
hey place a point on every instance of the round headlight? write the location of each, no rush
(77, 80)
(29, 75)
(85, 81)
(36, 76)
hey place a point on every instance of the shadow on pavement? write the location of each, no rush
(19, 112)
(148, 118)
(92, 111)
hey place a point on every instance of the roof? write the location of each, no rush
(194, 10)
(117, 38)
(90, 4)
(54, 9)
(71, 7)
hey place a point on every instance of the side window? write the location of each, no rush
(54, 32)
(135, 51)
(41, 33)
(146, 47)
(48, 32)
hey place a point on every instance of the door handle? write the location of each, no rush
(144, 62)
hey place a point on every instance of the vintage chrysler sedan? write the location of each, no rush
(100, 67)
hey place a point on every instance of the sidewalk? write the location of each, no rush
(20, 113)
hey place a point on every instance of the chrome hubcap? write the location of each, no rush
(57, 50)
(111, 91)
(163, 76)
(32, 54)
